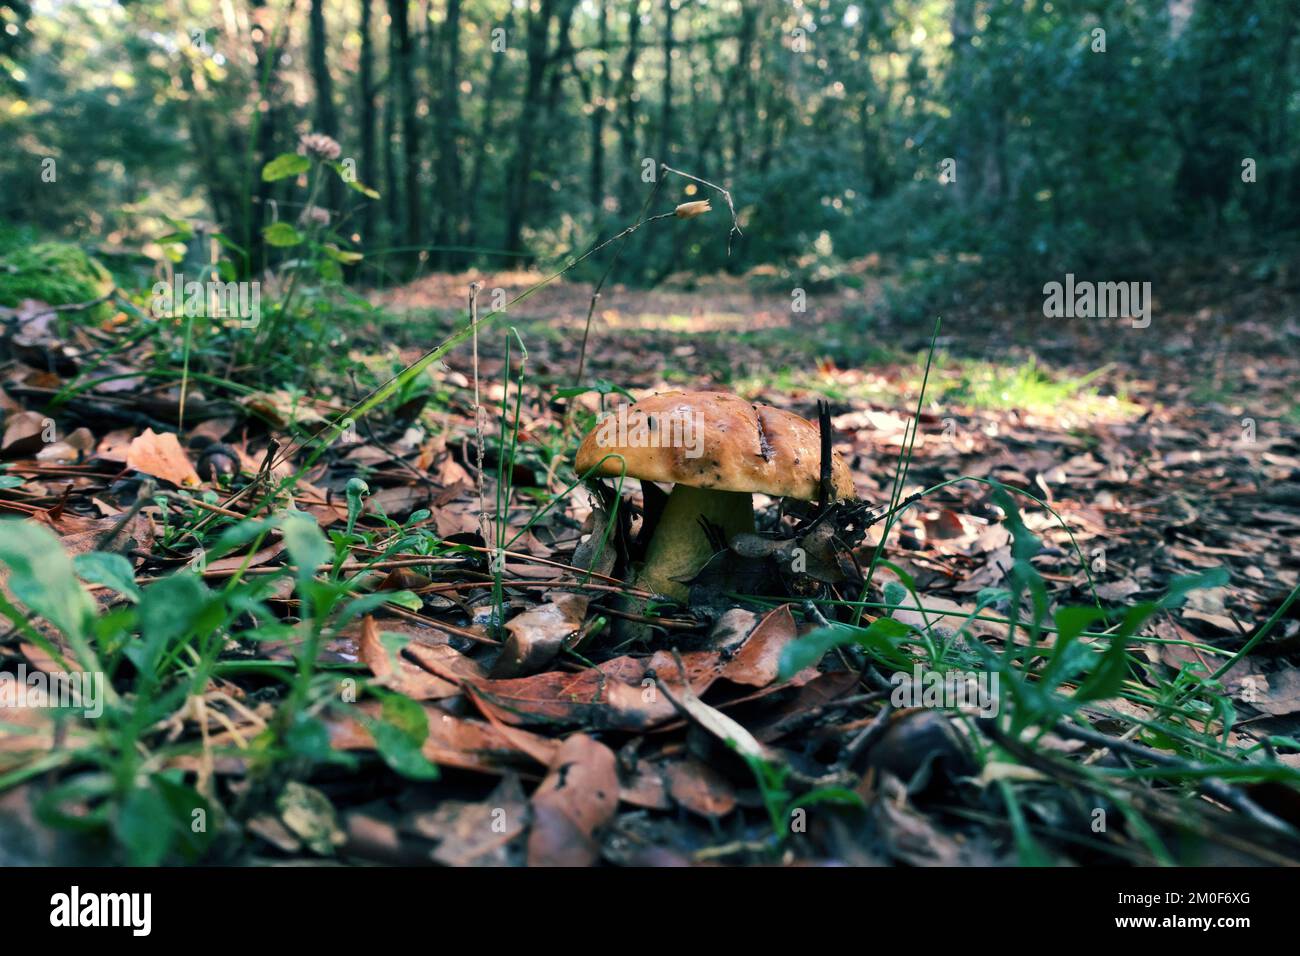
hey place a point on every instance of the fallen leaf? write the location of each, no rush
(593, 697)
(453, 741)
(721, 726)
(759, 658)
(700, 788)
(395, 672)
(1276, 694)
(578, 796)
(477, 834)
(910, 836)
(23, 434)
(71, 448)
(161, 456)
(538, 635)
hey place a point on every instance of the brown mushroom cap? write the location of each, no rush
(742, 447)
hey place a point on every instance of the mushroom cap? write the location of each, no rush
(713, 440)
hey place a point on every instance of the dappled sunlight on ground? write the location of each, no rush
(704, 304)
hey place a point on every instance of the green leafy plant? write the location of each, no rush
(158, 652)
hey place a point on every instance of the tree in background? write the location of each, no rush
(1029, 133)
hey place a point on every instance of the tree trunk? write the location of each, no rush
(267, 50)
(327, 118)
(598, 111)
(404, 66)
(666, 114)
(539, 27)
(875, 155)
(367, 118)
(749, 100)
(487, 129)
(972, 140)
(392, 182)
(563, 54)
(449, 132)
(627, 116)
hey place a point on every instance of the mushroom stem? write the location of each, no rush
(680, 548)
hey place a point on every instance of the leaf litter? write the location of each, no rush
(557, 741)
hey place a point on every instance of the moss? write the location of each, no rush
(57, 273)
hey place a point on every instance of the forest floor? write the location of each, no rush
(1144, 455)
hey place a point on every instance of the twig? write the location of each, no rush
(668, 624)
(595, 296)
(735, 220)
(863, 741)
(145, 492)
(72, 306)
(640, 221)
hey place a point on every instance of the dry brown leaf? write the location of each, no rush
(644, 787)
(71, 448)
(578, 796)
(452, 742)
(477, 834)
(538, 635)
(759, 659)
(592, 697)
(700, 788)
(80, 534)
(395, 672)
(23, 434)
(114, 445)
(161, 456)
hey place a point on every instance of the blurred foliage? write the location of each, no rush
(1082, 135)
(57, 273)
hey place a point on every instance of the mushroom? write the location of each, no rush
(717, 449)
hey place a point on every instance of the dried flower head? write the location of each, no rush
(316, 216)
(320, 146)
(689, 210)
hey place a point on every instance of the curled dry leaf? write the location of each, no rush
(577, 798)
(597, 553)
(452, 742)
(538, 635)
(620, 694)
(395, 672)
(161, 456)
(759, 658)
(22, 434)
